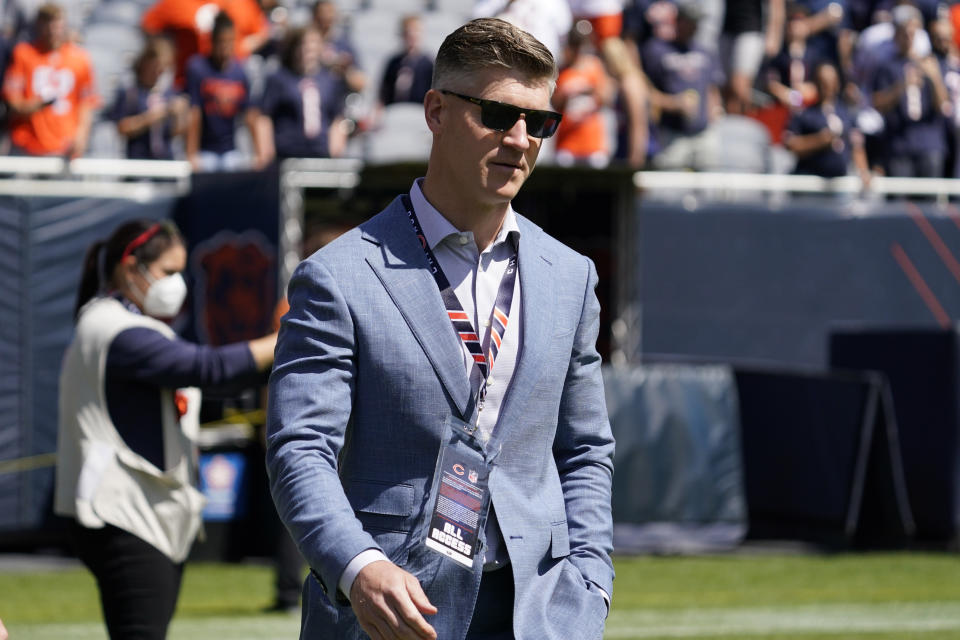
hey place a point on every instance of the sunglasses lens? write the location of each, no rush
(542, 124)
(499, 117)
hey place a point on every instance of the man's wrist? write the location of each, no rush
(354, 567)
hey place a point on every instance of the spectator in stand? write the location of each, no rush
(49, 90)
(821, 27)
(409, 73)
(278, 17)
(875, 45)
(303, 101)
(13, 23)
(188, 23)
(789, 75)
(339, 53)
(606, 19)
(946, 51)
(548, 21)
(930, 10)
(583, 91)
(686, 83)
(148, 112)
(909, 92)
(219, 93)
(823, 136)
(746, 40)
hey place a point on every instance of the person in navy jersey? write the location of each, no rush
(148, 113)
(409, 73)
(822, 136)
(339, 53)
(945, 49)
(219, 92)
(788, 76)
(686, 84)
(126, 465)
(303, 101)
(909, 92)
(822, 26)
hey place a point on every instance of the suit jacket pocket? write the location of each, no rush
(384, 510)
(381, 498)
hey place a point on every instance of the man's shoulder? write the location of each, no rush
(355, 245)
(547, 245)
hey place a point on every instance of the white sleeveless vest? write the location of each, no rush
(100, 480)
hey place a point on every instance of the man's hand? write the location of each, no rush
(389, 603)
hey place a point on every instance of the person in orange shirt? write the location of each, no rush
(583, 90)
(189, 23)
(49, 90)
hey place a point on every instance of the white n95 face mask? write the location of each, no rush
(164, 296)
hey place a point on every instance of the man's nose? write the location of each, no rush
(516, 136)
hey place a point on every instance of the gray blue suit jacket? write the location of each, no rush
(368, 369)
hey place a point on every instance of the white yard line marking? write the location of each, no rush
(805, 619)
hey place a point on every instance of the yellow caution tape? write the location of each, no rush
(29, 463)
(40, 461)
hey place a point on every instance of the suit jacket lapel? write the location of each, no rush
(537, 292)
(402, 268)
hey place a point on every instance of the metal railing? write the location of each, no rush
(137, 180)
(727, 185)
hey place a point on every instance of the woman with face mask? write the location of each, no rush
(126, 458)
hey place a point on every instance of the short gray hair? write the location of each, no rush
(491, 43)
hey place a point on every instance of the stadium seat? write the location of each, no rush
(122, 12)
(109, 68)
(403, 136)
(438, 25)
(397, 6)
(105, 142)
(122, 39)
(744, 146)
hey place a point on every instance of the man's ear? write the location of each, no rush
(434, 110)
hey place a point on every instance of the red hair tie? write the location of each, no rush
(139, 241)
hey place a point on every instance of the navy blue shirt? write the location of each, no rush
(915, 125)
(302, 109)
(221, 96)
(783, 67)
(832, 161)
(673, 69)
(142, 361)
(155, 142)
(825, 42)
(950, 70)
(743, 16)
(859, 14)
(929, 9)
(407, 78)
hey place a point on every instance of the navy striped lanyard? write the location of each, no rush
(458, 317)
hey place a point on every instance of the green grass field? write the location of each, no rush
(811, 597)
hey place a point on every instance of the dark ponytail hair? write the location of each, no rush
(144, 239)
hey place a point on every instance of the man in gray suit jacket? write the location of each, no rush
(438, 443)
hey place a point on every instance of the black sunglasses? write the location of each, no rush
(501, 116)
